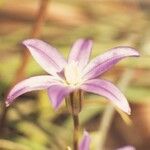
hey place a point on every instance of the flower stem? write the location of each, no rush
(74, 105)
(76, 131)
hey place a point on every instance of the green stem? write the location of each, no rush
(75, 132)
(74, 105)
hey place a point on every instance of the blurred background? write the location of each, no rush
(31, 123)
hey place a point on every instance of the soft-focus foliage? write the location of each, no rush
(32, 124)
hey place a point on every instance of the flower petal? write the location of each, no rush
(80, 52)
(57, 93)
(127, 148)
(104, 62)
(30, 84)
(84, 144)
(108, 90)
(46, 55)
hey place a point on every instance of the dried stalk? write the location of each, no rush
(35, 32)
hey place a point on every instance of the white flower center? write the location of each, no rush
(73, 74)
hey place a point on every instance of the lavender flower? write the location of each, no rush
(76, 73)
(85, 142)
(127, 148)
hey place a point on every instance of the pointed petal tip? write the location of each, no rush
(126, 108)
(7, 103)
(54, 103)
(85, 133)
(89, 40)
(136, 53)
(85, 39)
(133, 50)
(9, 100)
(129, 111)
(55, 106)
(25, 42)
(29, 41)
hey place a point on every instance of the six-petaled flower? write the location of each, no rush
(75, 74)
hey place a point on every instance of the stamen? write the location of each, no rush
(73, 74)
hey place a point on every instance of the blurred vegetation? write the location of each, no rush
(31, 123)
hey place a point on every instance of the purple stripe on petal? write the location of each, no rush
(108, 90)
(104, 62)
(80, 52)
(46, 55)
(85, 142)
(30, 84)
(127, 148)
(57, 93)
